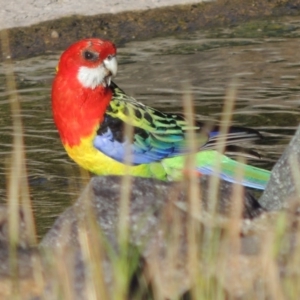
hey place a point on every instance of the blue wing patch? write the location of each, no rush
(141, 151)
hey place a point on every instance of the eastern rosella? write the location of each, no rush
(90, 112)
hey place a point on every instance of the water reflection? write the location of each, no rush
(157, 72)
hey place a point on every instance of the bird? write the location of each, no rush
(91, 114)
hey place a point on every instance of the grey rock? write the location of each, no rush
(147, 200)
(282, 187)
(155, 209)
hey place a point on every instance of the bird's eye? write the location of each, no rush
(88, 55)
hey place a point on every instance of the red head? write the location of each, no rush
(93, 61)
(80, 91)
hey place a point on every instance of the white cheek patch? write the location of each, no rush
(91, 77)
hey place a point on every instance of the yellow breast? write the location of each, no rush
(93, 160)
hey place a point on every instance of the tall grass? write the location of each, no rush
(18, 198)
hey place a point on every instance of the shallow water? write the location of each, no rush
(156, 72)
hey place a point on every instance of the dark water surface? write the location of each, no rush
(265, 62)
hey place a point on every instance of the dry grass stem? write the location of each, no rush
(17, 178)
(228, 108)
(194, 200)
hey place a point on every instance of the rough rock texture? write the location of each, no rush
(147, 200)
(232, 254)
(283, 187)
(158, 210)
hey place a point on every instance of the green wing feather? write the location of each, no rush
(162, 137)
(209, 162)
